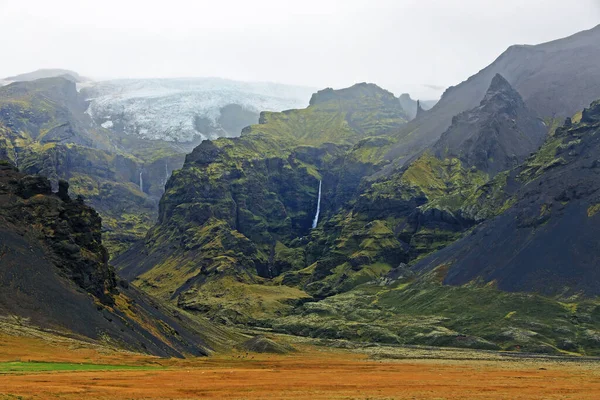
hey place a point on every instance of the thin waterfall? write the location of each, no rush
(166, 172)
(316, 220)
(141, 181)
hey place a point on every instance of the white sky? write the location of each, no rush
(319, 43)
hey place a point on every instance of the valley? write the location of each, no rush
(204, 237)
(316, 371)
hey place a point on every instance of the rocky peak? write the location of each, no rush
(501, 96)
(591, 115)
(495, 136)
(70, 230)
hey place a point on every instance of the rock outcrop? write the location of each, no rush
(44, 129)
(543, 241)
(556, 80)
(495, 136)
(54, 275)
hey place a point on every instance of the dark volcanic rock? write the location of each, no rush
(261, 344)
(420, 109)
(547, 241)
(496, 136)
(410, 106)
(54, 273)
(555, 79)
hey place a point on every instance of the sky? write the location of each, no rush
(420, 46)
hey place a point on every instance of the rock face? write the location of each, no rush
(44, 130)
(240, 208)
(234, 237)
(555, 79)
(54, 274)
(411, 107)
(495, 136)
(544, 241)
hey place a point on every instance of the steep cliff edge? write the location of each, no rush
(544, 241)
(556, 80)
(238, 212)
(54, 275)
(44, 129)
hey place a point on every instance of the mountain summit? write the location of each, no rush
(495, 136)
(556, 80)
(545, 242)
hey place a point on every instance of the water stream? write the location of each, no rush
(316, 220)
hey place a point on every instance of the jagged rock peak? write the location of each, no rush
(500, 91)
(495, 136)
(420, 110)
(354, 92)
(591, 115)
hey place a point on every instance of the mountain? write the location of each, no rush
(44, 129)
(54, 275)
(341, 220)
(545, 241)
(495, 136)
(46, 73)
(410, 105)
(234, 217)
(186, 109)
(234, 238)
(555, 79)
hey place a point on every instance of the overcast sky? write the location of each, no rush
(319, 43)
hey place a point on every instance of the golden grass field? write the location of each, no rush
(315, 372)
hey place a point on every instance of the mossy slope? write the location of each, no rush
(44, 129)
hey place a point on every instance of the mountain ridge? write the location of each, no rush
(541, 73)
(495, 136)
(55, 275)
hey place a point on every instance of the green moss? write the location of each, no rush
(541, 160)
(593, 209)
(423, 312)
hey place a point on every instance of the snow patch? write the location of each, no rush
(166, 109)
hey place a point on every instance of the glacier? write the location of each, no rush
(171, 109)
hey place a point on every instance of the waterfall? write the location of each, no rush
(166, 172)
(316, 220)
(141, 181)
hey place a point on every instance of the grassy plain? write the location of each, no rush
(79, 370)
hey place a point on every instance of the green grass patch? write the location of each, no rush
(38, 366)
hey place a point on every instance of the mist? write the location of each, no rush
(419, 46)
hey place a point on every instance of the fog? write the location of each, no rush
(421, 45)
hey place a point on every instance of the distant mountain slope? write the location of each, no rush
(54, 274)
(546, 241)
(44, 130)
(187, 109)
(495, 136)
(46, 73)
(410, 106)
(555, 79)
